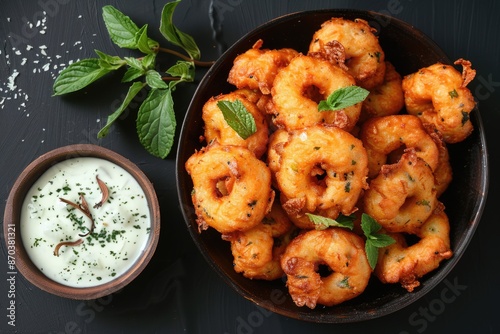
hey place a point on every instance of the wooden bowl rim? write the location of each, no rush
(12, 219)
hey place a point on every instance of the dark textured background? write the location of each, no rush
(178, 292)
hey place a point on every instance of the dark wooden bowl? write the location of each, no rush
(409, 50)
(13, 211)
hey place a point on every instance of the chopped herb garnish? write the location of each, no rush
(453, 94)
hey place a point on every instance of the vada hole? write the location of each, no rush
(408, 204)
(411, 239)
(318, 175)
(224, 186)
(313, 93)
(324, 270)
(394, 156)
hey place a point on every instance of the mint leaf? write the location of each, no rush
(342, 98)
(174, 35)
(371, 254)
(183, 70)
(132, 92)
(156, 122)
(381, 240)
(138, 67)
(122, 30)
(322, 223)
(144, 43)
(79, 75)
(132, 74)
(109, 62)
(238, 117)
(154, 80)
(374, 240)
(148, 61)
(133, 62)
(369, 225)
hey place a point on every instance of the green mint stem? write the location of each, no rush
(180, 55)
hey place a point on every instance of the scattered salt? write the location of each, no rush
(12, 79)
(32, 56)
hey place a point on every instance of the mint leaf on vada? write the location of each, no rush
(374, 239)
(324, 222)
(238, 117)
(342, 98)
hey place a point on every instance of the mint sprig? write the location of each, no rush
(238, 117)
(374, 239)
(156, 119)
(322, 223)
(174, 35)
(342, 98)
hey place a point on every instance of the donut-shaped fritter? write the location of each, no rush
(403, 196)
(340, 252)
(322, 169)
(400, 263)
(382, 136)
(217, 128)
(300, 86)
(438, 94)
(256, 68)
(231, 188)
(364, 57)
(257, 251)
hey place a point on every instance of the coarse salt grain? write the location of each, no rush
(11, 80)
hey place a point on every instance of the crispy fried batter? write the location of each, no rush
(216, 127)
(299, 87)
(384, 136)
(407, 264)
(231, 188)
(325, 169)
(403, 196)
(439, 96)
(364, 57)
(385, 99)
(257, 251)
(256, 68)
(341, 251)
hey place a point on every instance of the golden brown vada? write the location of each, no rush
(364, 57)
(438, 94)
(340, 252)
(231, 188)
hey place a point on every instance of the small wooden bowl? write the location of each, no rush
(12, 229)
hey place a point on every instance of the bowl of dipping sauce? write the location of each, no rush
(81, 222)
